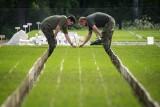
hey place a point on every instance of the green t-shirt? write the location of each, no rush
(55, 20)
(99, 19)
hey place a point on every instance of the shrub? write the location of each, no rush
(8, 31)
(143, 23)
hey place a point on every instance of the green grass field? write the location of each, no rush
(146, 33)
(119, 35)
(143, 62)
(124, 36)
(32, 33)
(80, 77)
(15, 62)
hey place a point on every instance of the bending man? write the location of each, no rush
(99, 20)
(57, 23)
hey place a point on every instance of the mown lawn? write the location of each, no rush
(149, 33)
(80, 77)
(88, 78)
(15, 62)
(124, 36)
(32, 33)
(143, 62)
(118, 36)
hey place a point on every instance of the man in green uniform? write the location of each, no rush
(99, 20)
(56, 23)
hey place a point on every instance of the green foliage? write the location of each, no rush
(34, 6)
(142, 23)
(7, 31)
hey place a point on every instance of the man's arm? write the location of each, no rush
(87, 38)
(57, 29)
(96, 30)
(69, 40)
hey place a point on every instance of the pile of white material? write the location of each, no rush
(21, 38)
(15, 40)
(61, 40)
(38, 40)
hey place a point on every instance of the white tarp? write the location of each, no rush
(20, 35)
(61, 40)
(21, 38)
(39, 40)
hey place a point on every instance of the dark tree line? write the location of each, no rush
(75, 3)
(18, 12)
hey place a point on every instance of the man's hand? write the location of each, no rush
(87, 39)
(73, 45)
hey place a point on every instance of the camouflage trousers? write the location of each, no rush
(50, 38)
(107, 33)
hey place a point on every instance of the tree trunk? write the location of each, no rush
(120, 16)
(21, 16)
(21, 13)
(135, 9)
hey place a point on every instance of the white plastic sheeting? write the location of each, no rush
(61, 40)
(20, 35)
(21, 38)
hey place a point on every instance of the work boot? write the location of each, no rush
(96, 42)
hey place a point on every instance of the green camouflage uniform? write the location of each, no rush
(47, 27)
(107, 33)
(107, 23)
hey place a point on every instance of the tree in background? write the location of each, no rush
(135, 9)
(18, 12)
